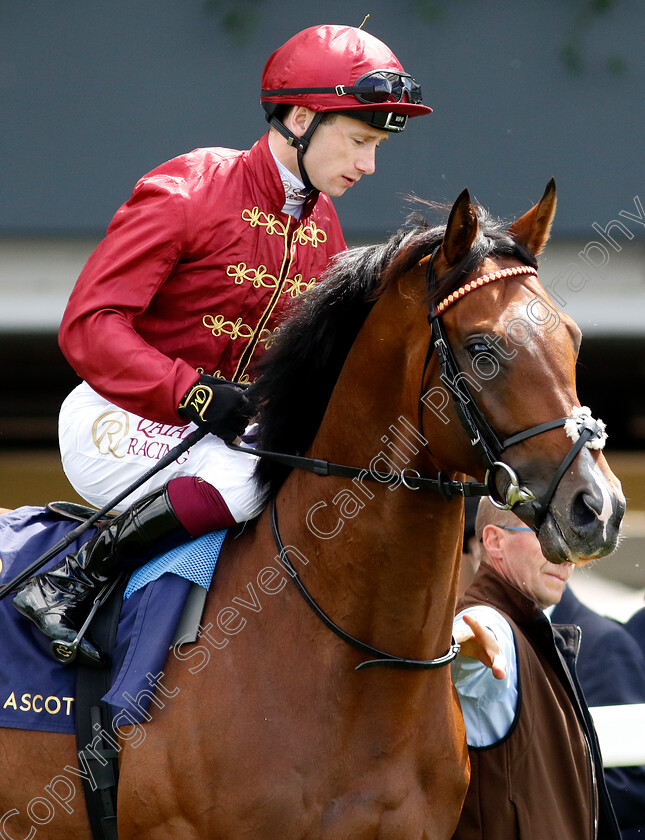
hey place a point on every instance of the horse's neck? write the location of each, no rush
(383, 562)
(388, 574)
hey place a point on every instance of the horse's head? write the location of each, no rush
(498, 395)
(506, 360)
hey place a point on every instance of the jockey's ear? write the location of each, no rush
(532, 230)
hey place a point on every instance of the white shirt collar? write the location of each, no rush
(294, 190)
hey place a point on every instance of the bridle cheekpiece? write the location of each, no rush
(581, 427)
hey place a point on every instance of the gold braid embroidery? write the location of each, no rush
(309, 234)
(242, 272)
(243, 380)
(255, 217)
(218, 325)
(295, 286)
(260, 277)
(234, 329)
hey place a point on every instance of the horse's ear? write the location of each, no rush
(532, 230)
(461, 230)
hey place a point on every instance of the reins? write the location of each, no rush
(443, 485)
(383, 658)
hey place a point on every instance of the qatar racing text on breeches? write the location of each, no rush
(104, 449)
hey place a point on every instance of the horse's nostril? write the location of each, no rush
(583, 513)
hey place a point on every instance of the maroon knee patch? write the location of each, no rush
(199, 506)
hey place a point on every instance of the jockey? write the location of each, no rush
(176, 303)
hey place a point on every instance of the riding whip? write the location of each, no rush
(69, 538)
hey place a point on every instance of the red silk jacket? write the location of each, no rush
(194, 274)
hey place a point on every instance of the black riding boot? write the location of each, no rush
(58, 601)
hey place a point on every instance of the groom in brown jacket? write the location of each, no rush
(536, 769)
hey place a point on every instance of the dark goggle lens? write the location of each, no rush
(413, 90)
(377, 89)
(387, 87)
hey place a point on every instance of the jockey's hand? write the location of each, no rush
(219, 405)
(478, 642)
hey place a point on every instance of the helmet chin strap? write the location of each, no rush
(301, 144)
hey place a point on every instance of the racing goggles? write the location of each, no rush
(373, 88)
(380, 86)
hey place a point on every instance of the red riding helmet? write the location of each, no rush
(343, 70)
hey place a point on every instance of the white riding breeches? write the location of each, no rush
(104, 449)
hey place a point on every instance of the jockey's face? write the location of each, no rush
(340, 153)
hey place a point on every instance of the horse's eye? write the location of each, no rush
(476, 348)
(482, 359)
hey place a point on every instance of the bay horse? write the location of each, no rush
(325, 710)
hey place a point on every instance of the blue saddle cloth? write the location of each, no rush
(36, 692)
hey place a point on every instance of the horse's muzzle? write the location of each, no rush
(583, 522)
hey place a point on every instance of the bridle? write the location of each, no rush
(581, 427)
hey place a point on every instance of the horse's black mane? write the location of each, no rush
(298, 372)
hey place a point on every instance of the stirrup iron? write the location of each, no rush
(65, 652)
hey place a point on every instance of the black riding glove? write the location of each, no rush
(219, 405)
